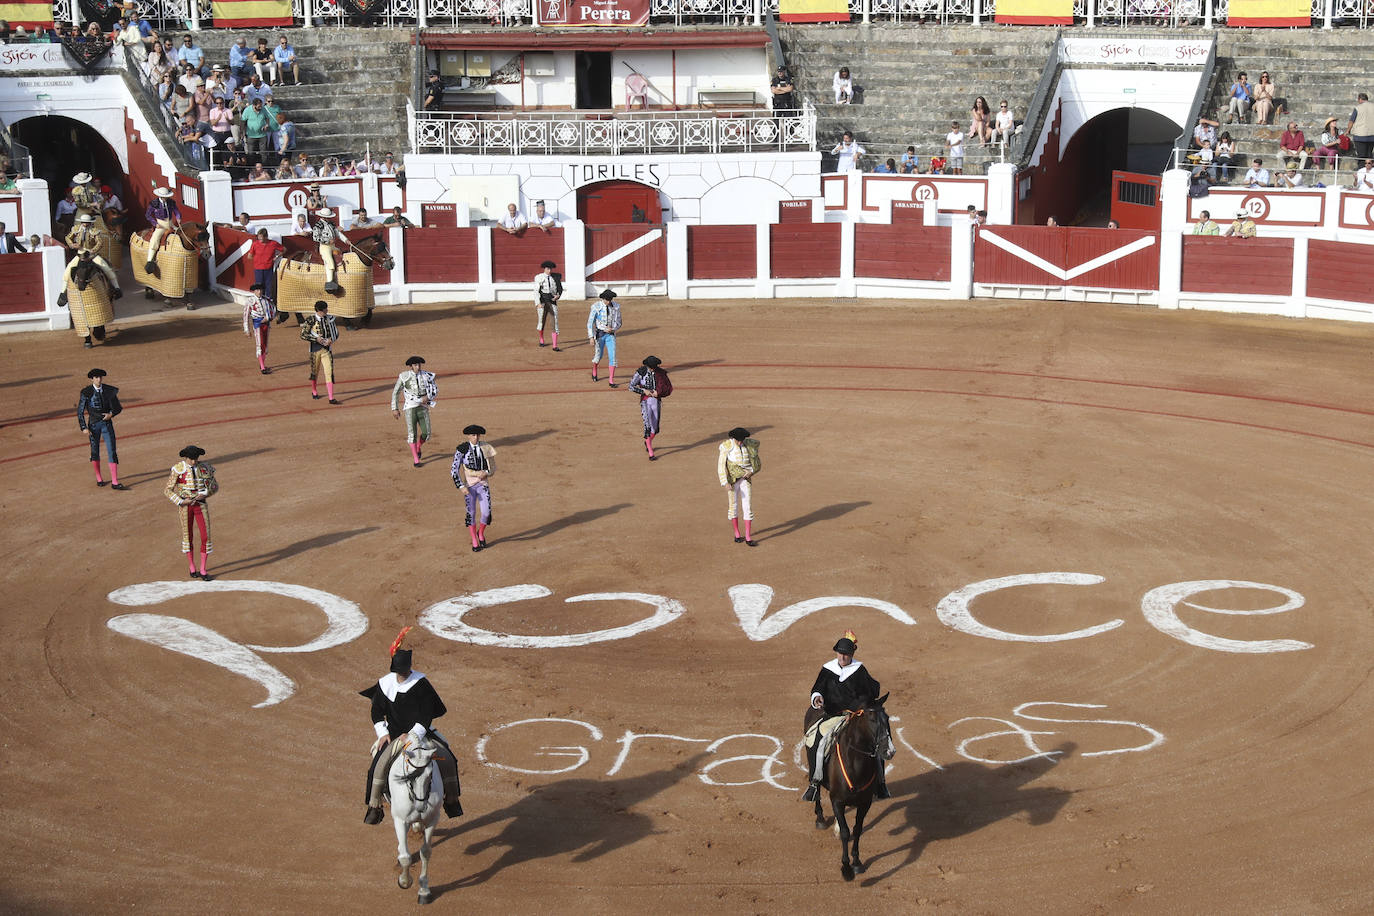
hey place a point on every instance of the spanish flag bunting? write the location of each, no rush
(1272, 13)
(813, 10)
(247, 14)
(1035, 12)
(29, 15)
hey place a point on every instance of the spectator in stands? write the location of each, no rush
(396, 219)
(542, 217)
(127, 37)
(330, 168)
(1257, 176)
(239, 63)
(219, 83)
(259, 172)
(1052, 223)
(1243, 227)
(284, 59)
(513, 222)
(244, 224)
(256, 89)
(315, 200)
(1206, 130)
(1239, 98)
(974, 219)
(843, 85)
(847, 153)
(1205, 160)
(9, 244)
(980, 124)
(189, 78)
(1004, 123)
(190, 135)
(1325, 151)
(285, 138)
(954, 146)
(1264, 99)
(158, 63)
(910, 162)
(301, 226)
(283, 172)
(1364, 178)
(1205, 225)
(166, 89)
(221, 118)
(1292, 145)
(237, 104)
(1225, 154)
(937, 165)
(272, 110)
(434, 92)
(349, 168)
(237, 163)
(362, 221)
(1361, 127)
(181, 103)
(387, 166)
(191, 53)
(261, 59)
(256, 129)
(886, 168)
(1113, 224)
(783, 92)
(203, 102)
(303, 168)
(1290, 179)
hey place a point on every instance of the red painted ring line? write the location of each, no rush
(1267, 399)
(933, 391)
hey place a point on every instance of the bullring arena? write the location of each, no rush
(1056, 529)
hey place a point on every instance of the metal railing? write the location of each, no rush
(572, 133)
(1330, 171)
(197, 14)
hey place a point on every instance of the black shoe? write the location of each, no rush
(882, 791)
(372, 816)
(206, 577)
(751, 543)
(152, 269)
(314, 397)
(118, 486)
(811, 792)
(594, 378)
(613, 384)
(542, 344)
(266, 371)
(331, 287)
(739, 540)
(194, 574)
(482, 542)
(453, 808)
(476, 548)
(102, 483)
(653, 457)
(87, 344)
(190, 306)
(417, 464)
(558, 349)
(333, 401)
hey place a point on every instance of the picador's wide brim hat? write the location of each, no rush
(163, 192)
(326, 213)
(81, 178)
(847, 644)
(85, 218)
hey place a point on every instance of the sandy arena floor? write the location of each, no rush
(1093, 460)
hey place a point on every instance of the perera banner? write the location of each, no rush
(813, 10)
(1035, 12)
(1274, 13)
(599, 13)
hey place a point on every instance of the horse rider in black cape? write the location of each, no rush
(843, 684)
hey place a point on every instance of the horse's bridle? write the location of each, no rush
(413, 776)
(849, 716)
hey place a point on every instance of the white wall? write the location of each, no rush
(1087, 93)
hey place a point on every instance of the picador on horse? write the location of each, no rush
(843, 685)
(404, 706)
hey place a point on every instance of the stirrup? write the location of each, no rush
(372, 816)
(812, 791)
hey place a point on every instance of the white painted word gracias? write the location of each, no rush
(345, 621)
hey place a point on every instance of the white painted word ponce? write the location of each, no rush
(346, 621)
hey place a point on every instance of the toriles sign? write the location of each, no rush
(600, 13)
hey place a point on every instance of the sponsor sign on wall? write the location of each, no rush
(600, 13)
(31, 58)
(1134, 51)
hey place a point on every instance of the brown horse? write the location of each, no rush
(851, 776)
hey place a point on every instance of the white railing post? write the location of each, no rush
(977, 6)
(1328, 17)
(758, 12)
(422, 14)
(1207, 14)
(868, 11)
(1090, 6)
(307, 20)
(193, 14)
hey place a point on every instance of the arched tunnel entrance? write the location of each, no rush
(1077, 189)
(62, 147)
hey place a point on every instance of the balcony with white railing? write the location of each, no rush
(577, 133)
(196, 14)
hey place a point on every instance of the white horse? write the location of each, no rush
(417, 798)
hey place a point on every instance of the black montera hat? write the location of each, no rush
(192, 451)
(607, 294)
(653, 362)
(548, 264)
(415, 359)
(94, 373)
(474, 430)
(739, 434)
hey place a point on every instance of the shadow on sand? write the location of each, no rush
(965, 797)
(584, 818)
(291, 550)
(567, 521)
(823, 514)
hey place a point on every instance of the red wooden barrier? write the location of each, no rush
(441, 256)
(1214, 264)
(516, 258)
(239, 274)
(647, 262)
(21, 277)
(1130, 258)
(903, 251)
(722, 252)
(804, 250)
(1336, 270)
(994, 264)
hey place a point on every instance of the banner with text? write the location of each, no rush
(813, 10)
(600, 13)
(247, 14)
(1271, 13)
(1035, 12)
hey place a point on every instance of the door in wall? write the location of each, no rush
(593, 79)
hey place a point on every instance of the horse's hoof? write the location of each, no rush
(423, 898)
(403, 879)
(859, 867)
(820, 823)
(847, 872)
